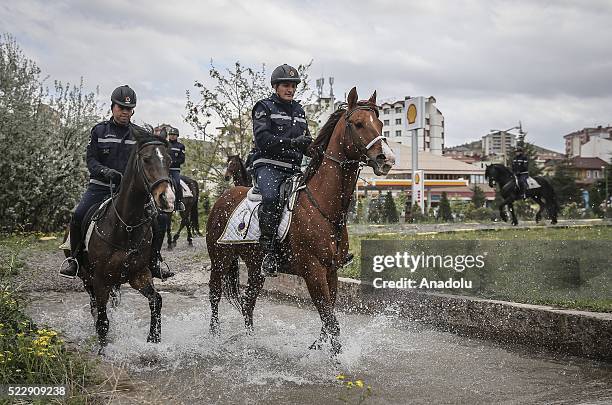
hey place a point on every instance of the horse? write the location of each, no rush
(189, 217)
(237, 172)
(543, 195)
(120, 245)
(317, 240)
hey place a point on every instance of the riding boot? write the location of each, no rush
(72, 269)
(269, 219)
(156, 258)
(179, 206)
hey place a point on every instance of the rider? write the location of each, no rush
(177, 152)
(108, 151)
(281, 137)
(520, 165)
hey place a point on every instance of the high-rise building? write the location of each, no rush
(394, 126)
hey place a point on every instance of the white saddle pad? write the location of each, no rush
(243, 225)
(186, 190)
(532, 183)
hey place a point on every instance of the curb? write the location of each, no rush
(580, 333)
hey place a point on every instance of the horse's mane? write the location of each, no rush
(317, 148)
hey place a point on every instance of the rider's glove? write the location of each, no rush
(302, 142)
(111, 174)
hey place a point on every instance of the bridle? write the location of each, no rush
(149, 187)
(361, 148)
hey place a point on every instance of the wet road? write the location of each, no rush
(401, 361)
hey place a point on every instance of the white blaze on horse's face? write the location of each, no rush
(162, 193)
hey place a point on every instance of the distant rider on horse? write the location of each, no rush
(281, 138)
(520, 168)
(108, 152)
(177, 152)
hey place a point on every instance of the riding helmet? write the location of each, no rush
(124, 96)
(285, 73)
(173, 131)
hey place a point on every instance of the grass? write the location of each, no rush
(29, 353)
(536, 283)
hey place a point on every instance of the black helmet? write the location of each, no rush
(173, 131)
(285, 73)
(124, 96)
(163, 134)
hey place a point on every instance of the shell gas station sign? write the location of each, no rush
(418, 189)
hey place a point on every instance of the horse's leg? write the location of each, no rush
(92, 301)
(144, 285)
(178, 233)
(514, 220)
(254, 286)
(332, 282)
(215, 292)
(316, 280)
(101, 292)
(538, 200)
(169, 232)
(188, 225)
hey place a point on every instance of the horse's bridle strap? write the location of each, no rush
(373, 141)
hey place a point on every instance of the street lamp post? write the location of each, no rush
(605, 173)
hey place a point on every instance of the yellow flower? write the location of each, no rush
(340, 377)
(349, 384)
(359, 383)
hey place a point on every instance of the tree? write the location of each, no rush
(43, 135)
(564, 184)
(478, 198)
(227, 104)
(375, 214)
(390, 210)
(444, 209)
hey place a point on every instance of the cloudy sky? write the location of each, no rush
(488, 63)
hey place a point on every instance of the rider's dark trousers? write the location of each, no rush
(269, 180)
(176, 179)
(522, 181)
(93, 195)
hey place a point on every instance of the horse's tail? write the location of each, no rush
(552, 204)
(230, 285)
(194, 216)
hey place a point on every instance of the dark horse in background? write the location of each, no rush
(189, 217)
(543, 195)
(237, 172)
(120, 246)
(317, 240)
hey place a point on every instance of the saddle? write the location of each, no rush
(94, 213)
(243, 224)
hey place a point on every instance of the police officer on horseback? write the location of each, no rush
(281, 138)
(177, 152)
(520, 168)
(108, 151)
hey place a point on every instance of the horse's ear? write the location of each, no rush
(352, 98)
(373, 98)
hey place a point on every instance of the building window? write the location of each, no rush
(386, 122)
(398, 109)
(386, 133)
(386, 111)
(398, 133)
(426, 121)
(398, 121)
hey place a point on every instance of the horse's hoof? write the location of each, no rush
(153, 339)
(190, 243)
(214, 330)
(102, 351)
(315, 346)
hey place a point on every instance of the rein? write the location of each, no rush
(364, 159)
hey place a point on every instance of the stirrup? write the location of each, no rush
(180, 207)
(273, 273)
(69, 260)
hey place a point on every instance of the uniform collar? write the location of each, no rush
(279, 100)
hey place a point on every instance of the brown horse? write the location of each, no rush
(120, 246)
(189, 217)
(317, 242)
(237, 172)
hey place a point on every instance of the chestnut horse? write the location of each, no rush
(120, 246)
(317, 241)
(237, 172)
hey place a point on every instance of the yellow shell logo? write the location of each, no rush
(417, 178)
(412, 114)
